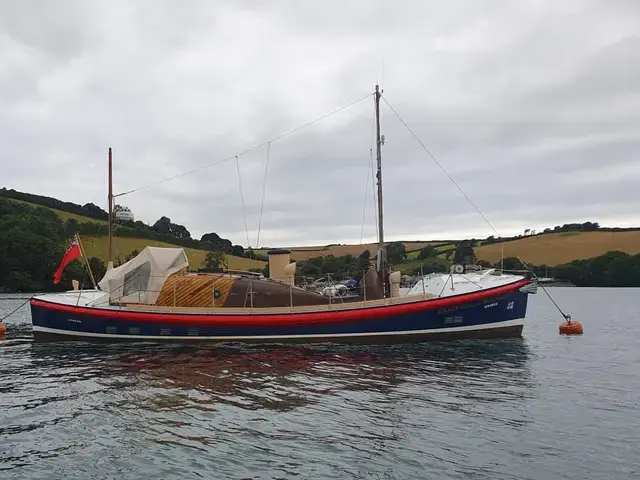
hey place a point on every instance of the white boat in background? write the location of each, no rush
(446, 284)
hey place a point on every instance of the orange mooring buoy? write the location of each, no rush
(3, 330)
(571, 327)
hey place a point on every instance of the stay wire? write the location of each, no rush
(82, 285)
(14, 311)
(364, 204)
(374, 194)
(244, 214)
(565, 316)
(439, 165)
(366, 185)
(256, 147)
(264, 188)
(86, 267)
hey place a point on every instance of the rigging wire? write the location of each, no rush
(439, 165)
(366, 183)
(244, 214)
(566, 316)
(248, 150)
(86, 267)
(264, 187)
(375, 193)
(14, 311)
(364, 204)
(373, 186)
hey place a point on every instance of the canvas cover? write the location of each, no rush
(141, 278)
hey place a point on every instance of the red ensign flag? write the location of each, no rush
(71, 254)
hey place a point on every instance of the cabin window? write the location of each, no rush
(111, 330)
(165, 331)
(137, 279)
(134, 330)
(193, 332)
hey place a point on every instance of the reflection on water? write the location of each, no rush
(283, 377)
(508, 409)
(207, 397)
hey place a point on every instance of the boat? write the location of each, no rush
(156, 297)
(460, 281)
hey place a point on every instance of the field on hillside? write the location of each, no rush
(548, 249)
(305, 253)
(558, 248)
(99, 246)
(64, 216)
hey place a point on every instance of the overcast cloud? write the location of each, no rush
(532, 106)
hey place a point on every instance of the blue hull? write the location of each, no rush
(468, 316)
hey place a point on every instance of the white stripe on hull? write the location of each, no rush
(486, 326)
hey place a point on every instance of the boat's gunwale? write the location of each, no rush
(254, 316)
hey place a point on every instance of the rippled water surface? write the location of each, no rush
(540, 407)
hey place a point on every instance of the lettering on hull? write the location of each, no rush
(453, 320)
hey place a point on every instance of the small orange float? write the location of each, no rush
(3, 330)
(571, 327)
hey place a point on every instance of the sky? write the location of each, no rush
(532, 107)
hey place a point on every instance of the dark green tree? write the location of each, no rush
(215, 260)
(213, 241)
(396, 252)
(464, 254)
(32, 243)
(164, 226)
(428, 252)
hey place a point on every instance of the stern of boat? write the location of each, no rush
(47, 319)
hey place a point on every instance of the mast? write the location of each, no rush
(382, 256)
(110, 198)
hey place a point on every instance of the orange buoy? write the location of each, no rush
(571, 327)
(3, 330)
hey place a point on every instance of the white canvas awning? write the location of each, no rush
(141, 278)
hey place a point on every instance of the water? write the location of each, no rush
(541, 407)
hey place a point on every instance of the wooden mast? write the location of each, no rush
(110, 198)
(382, 254)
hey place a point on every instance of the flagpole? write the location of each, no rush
(86, 259)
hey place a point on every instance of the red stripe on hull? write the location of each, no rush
(256, 318)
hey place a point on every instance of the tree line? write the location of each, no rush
(613, 269)
(162, 230)
(33, 240)
(87, 210)
(32, 243)
(567, 227)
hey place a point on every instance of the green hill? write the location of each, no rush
(64, 216)
(97, 244)
(559, 248)
(560, 245)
